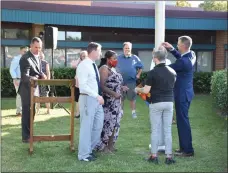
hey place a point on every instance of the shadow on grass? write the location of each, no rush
(45, 152)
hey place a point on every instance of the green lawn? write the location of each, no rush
(209, 133)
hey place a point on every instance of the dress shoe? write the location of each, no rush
(93, 155)
(88, 159)
(183, 154)
(152, 159)
(25, 140)
(169, 161)
(77, 116)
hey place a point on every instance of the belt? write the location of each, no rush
(83, 94)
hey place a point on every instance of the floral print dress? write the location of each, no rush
(112, 109)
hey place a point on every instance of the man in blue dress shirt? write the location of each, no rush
(130, 67)
(16, 76)
(183, 92)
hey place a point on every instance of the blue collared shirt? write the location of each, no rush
(15, 71)
(128, 67)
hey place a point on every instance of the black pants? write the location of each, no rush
(76, 94)
(25, 119)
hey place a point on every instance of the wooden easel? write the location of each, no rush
(34, 99)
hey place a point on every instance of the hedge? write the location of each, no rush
(219, 91)
(202, 82)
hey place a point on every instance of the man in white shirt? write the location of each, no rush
(90, 104)
(16, 76)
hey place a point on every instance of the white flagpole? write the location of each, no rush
(159, 26)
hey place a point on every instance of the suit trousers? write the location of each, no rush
(91, 124)
(183, 125)
(26, 107)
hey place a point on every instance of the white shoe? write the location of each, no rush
(134, 115)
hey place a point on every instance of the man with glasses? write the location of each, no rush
(16, 76)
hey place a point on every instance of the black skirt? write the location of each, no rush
(76, 94)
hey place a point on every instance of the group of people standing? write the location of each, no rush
(100, 93)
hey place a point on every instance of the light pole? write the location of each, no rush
(159, 25)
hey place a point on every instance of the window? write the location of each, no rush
(146, 58)
(15, 33)
(73, 36)
(61, 35)
(226, 60)
(118, 36)
(204, 61)
(58, 59)
(72, 57)
(2, 56)
(118, 51)
(11, 52)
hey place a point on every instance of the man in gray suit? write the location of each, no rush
(30, 69)
(90, 104)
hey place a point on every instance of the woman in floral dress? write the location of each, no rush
(111, 85)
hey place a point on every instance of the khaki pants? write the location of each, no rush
(18, 97)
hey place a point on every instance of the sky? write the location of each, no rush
(195, 3)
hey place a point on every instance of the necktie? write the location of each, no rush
(97, 78)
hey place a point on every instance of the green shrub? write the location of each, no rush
(219, 90)
(63, 73)
(7, 87)
(201, 81)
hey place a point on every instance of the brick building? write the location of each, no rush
(80, 22)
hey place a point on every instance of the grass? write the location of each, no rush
(209, 133)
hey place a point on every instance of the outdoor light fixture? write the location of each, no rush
(41, 34)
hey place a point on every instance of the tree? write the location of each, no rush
(214, 5)
(183, 4)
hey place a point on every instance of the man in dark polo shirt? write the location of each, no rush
(160, 83)
(130, 67)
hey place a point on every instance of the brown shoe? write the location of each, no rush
(18, 114)
(183, 154)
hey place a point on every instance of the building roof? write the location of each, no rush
(115, 17)
(103, 9)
